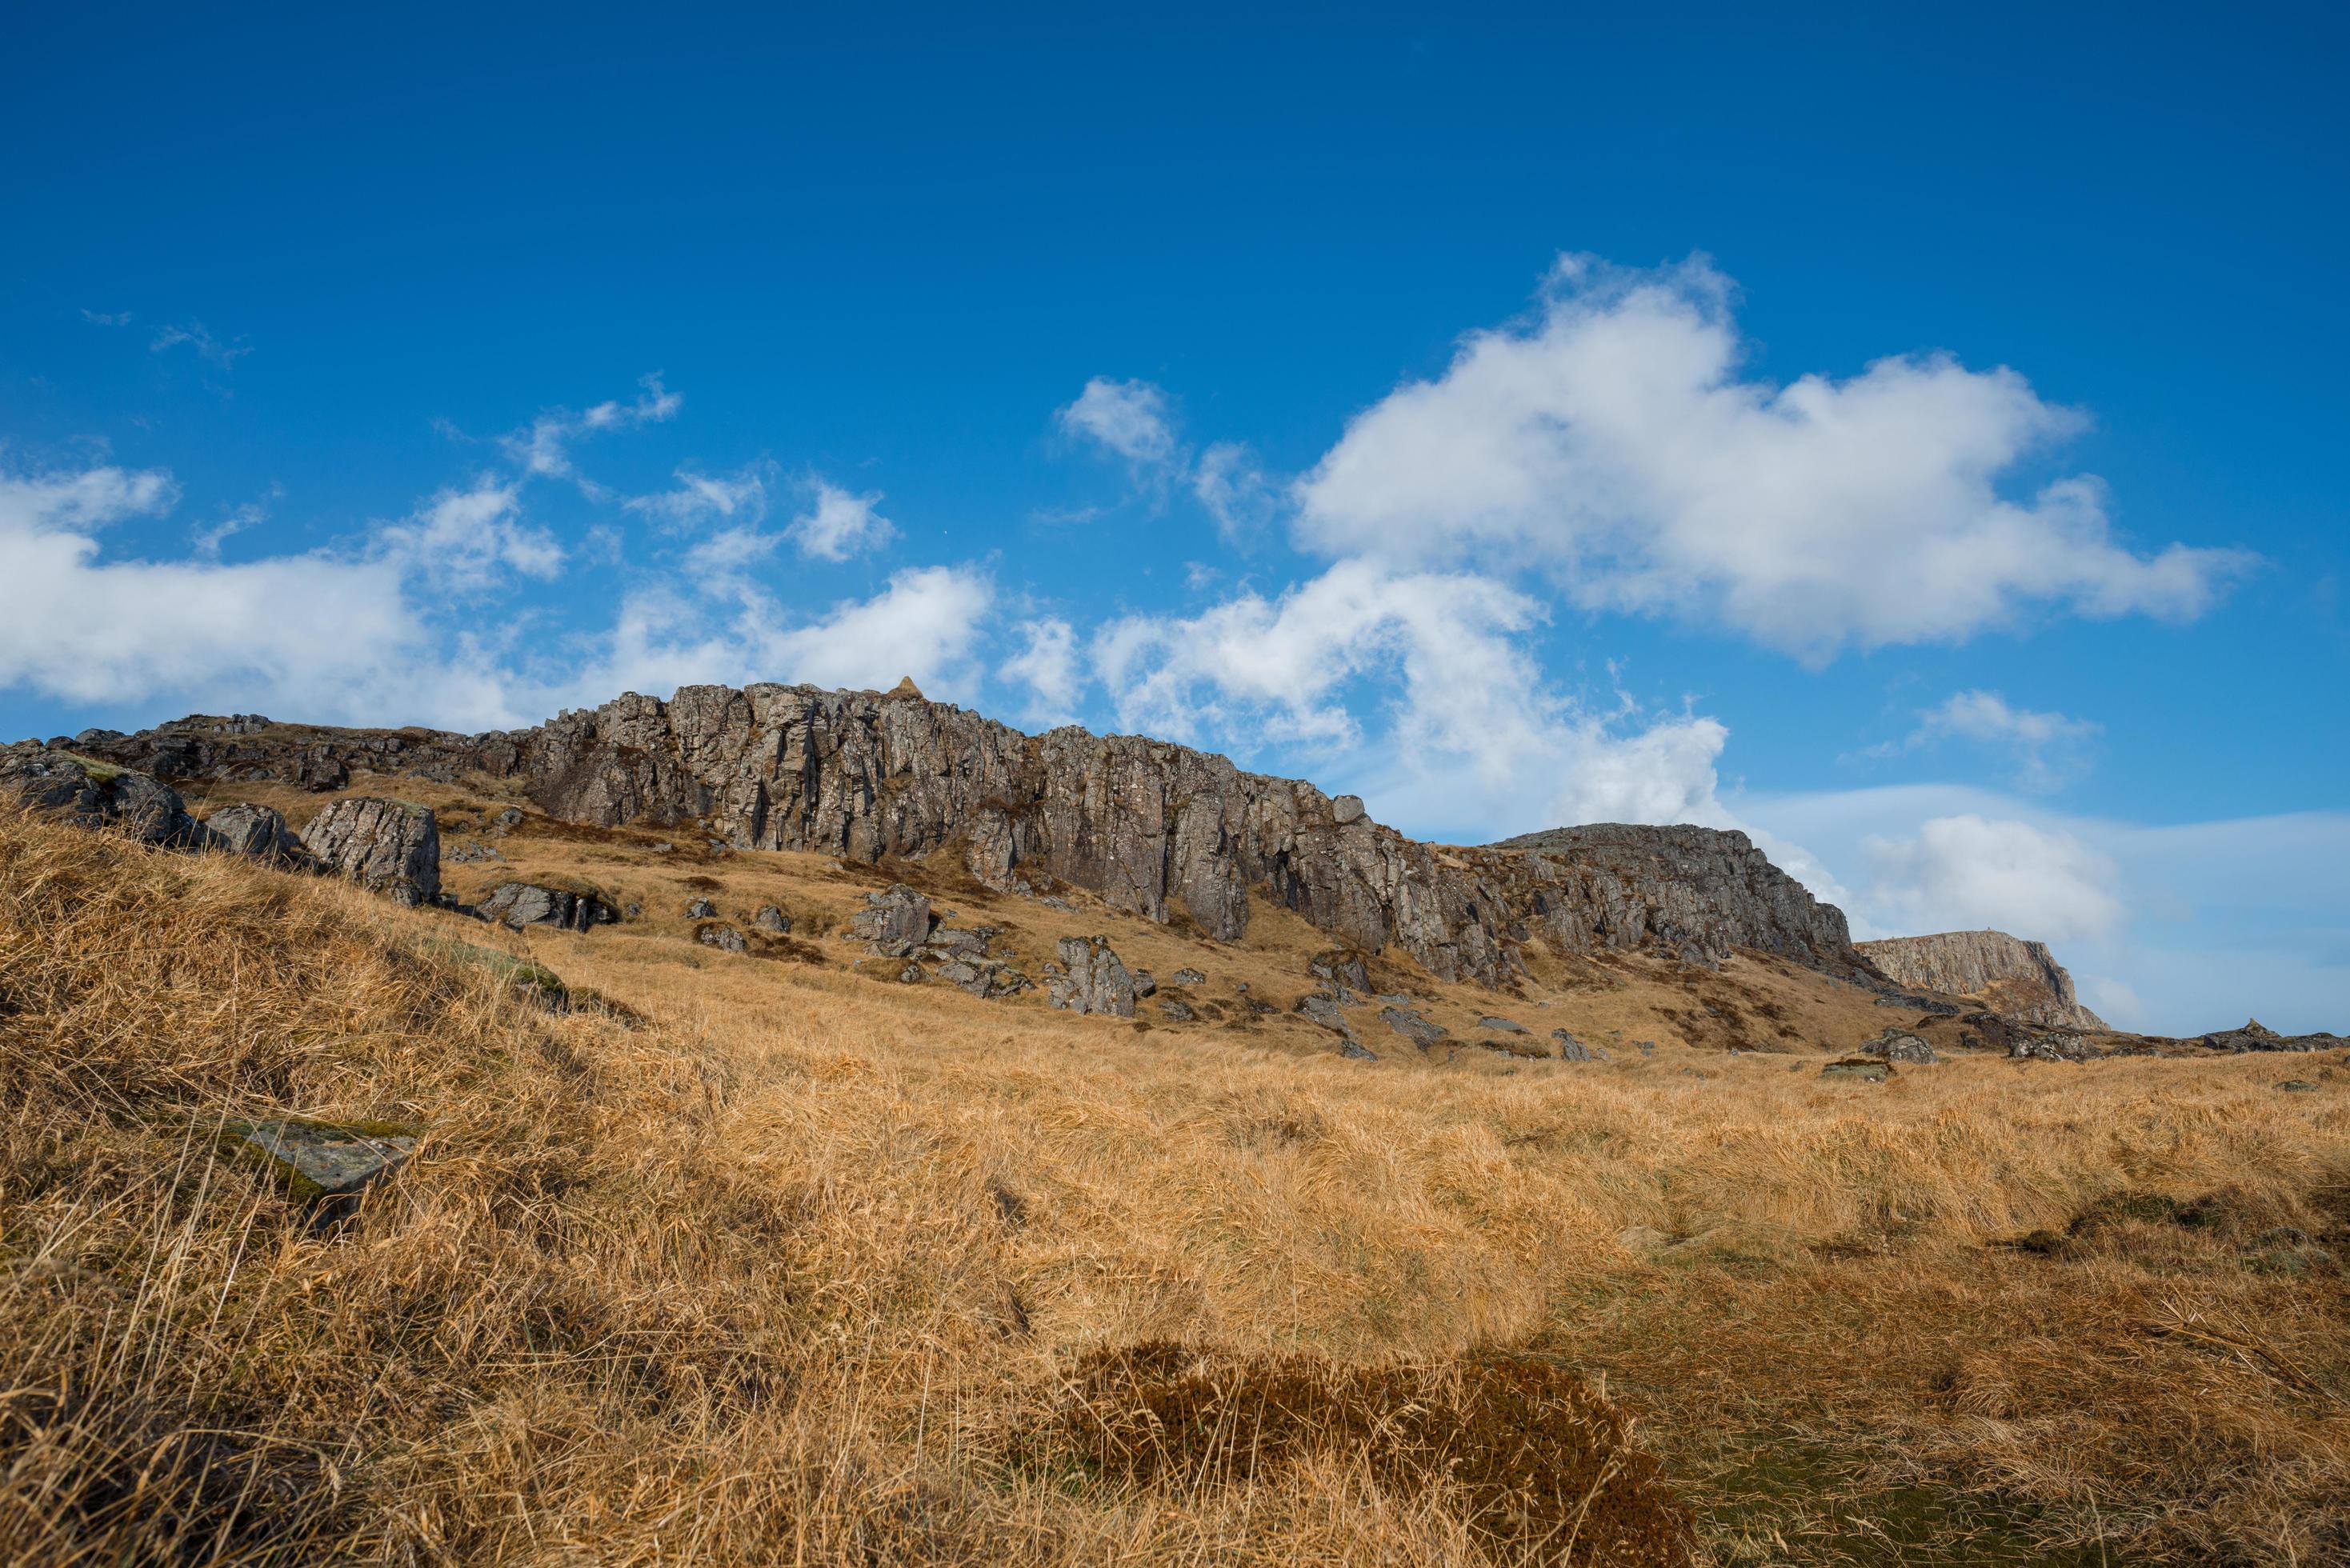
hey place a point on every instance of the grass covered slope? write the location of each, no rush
(771, 1261)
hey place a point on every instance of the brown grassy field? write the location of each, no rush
(798, 1264)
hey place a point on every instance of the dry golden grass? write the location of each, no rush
(809, 1266)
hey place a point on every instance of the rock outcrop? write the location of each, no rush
(95, 794)
(1089, 979)
(1155, 830)
(2256, 1036)
(520, 904)
(2009, 976)
(386, 846)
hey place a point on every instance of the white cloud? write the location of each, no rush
(1046, 665)
(1130, 419)
(1966, 872)
(106, 318)
(1233, 489)
(1612, 441)
(463, 540)
(2047, 746)
(840, 524)
(544, 449)
(1472, 746)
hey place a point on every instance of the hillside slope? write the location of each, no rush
(769, 1256)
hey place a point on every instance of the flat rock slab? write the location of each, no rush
(321, 1159)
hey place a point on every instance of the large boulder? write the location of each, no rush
(1090, 979)
(386, 846)
(894, 921)
(520, 904)
(256, 832)
(93, 794)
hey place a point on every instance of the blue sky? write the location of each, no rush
(1912, 439)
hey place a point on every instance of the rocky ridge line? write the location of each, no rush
(1154, 829)
(2017, 979)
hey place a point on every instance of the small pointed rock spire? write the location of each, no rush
(906, 688)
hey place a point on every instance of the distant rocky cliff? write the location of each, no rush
(1154, 829)
(2013, 977)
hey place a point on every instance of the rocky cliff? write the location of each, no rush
(2011, 977)
(1156, 830)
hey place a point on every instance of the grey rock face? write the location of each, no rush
(1355, 1050)
(1899, 1045)
(1147, 826)
(1320, 1007)
(98, 795)
(1091, 979)
(894, 921)
(470, 853)
(386, 846)
(771, 918)
(2017, 979)
(520, 904)
(1346, 970)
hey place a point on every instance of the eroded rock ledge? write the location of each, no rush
(1156, 830)
(2014, 978)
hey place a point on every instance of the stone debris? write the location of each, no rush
(1187, 977)
(1503, 1024)
(471, 853)
(700, 910)
(726, 939)
(385, 846)
(1175, 1011)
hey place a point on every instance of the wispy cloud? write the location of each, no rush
(106, 318)
(207, 347)
(841, 523)
(2049, 750)
(542, 448)
(1135, 422)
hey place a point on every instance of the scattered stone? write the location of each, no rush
(1503, 1024)
(520, 904)
(256, 832)
(1187, 977)
(894, 921)
(1061, 904)
(726, 939)
(316, 1159)
(1413, 1027)
(1176, 1012)
(471, 853)
(1864, 1068)
(1897, 1044)
(700, 910)
(772, 920)
(2298, 1086)
(1570, 1049)
(1320, 1007)
(635, 909)
(1646, 1047)
(385, 846)
(1091, 979)
(2051, 1045)
(1355, 1050)
(1143, 984)
(507, 820)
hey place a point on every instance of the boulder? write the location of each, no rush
(726, 939)
(772, 919)
(1344, 970)
(1503, 1024)
(1176, 1012)
(385, 846)
(92, 794)
(317, 1160)
(700, 909)
(1090, 979)
(1320, 1007)
(894, 921)
(1570, 1049)
(1187, 977)
(1412, 1027)
(256, 832)
(520, 904)
(1897, 1044)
